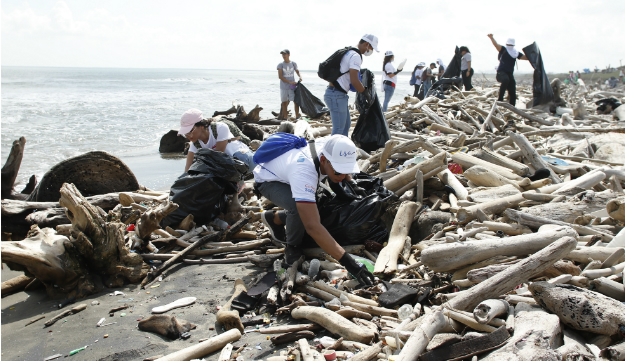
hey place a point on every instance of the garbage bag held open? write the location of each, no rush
(371, 131)
(310, 104)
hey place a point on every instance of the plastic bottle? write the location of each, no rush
(365, 261)
(313, 269)
(405, 311)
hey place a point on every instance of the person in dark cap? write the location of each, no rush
(286, 73)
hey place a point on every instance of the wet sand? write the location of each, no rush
(211, 284)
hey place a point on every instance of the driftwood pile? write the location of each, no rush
(505, 242)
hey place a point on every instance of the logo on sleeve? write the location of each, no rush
(310, 189)
(301, 158)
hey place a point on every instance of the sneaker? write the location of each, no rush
(292, 254)
(278, 233)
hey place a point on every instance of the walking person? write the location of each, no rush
(466, 70)
(441, 68)
(290, 181)
(389, 79)
(336, 97)
(286, 73)
(416, 79)
(427, 76)
(505, 72)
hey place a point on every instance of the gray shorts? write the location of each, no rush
(287, 95)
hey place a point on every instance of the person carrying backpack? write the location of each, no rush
(288, 174)
(343, 76)
(505, 72)
(213, 135)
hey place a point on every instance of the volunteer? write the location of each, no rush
(416, 78)
(336, 98)
(290, 181)
(200, 133)
(286, 73)
(505, 72)
(389, 79)
(427, 77)
(466, 71)
(441, 68)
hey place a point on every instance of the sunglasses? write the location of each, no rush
(191, 131)
(335, 172)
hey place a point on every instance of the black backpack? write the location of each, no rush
(330, 69)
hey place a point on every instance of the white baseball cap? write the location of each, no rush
(188, 120)
(371, 39)
(342, 154)
(421, 64)
(388, 53)
(510, 41)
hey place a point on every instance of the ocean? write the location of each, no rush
(65, 112)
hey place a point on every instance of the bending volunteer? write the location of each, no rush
(290, 181)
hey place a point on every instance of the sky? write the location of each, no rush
(248, 35)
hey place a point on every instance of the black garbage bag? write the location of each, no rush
(310, 104)
(352, 218)
(453, 68)
(607, 105)
(371, 131)
(543, 94)
(202, 190)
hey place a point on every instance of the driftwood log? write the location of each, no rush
(11, 167)
(69, 266)
(450, 256)
(507, 280)
(230, 319)
(204, 348)
(334, 323)
(579, 308)
(387, 260)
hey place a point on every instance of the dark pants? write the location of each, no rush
(507, 83)
(466, 80)
(416, 90)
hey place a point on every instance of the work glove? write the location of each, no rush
(357, 270)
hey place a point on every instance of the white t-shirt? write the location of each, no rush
(389, 68)
(351, 60)
(295, 168)
(418, 73)
(223, 133)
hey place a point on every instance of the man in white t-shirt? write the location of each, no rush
(336, 98)
(290, 181)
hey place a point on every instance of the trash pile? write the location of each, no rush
(502, 240)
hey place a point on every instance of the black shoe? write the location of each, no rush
(292, 254)
(278, 233)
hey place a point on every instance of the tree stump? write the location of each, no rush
(91, 173)
(12, 167)
(95, 253)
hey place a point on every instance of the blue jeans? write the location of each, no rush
(388, 94)
(247, 158)
(336, 101)
(426, 87)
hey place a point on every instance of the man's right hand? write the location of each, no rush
(490, 35)
(358, 271)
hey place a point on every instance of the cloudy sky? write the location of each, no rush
(572, 35)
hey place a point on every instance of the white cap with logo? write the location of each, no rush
(511, 41)
(371, 39)
(388, 53)
(342, 154)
